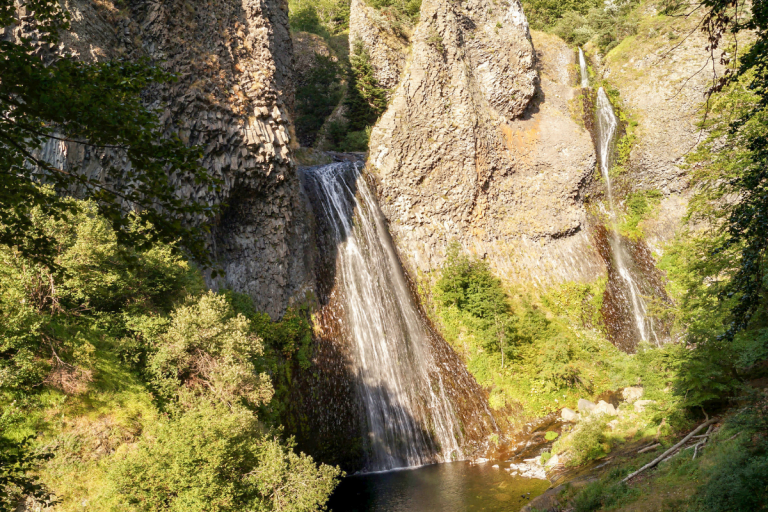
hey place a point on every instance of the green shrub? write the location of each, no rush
(316, 97)
(213, 457)
(366, 100)
(551, 435)
(356, 141)
(736, 475)
(587, 441)
(208, 349)
(325, 18)
(639, 206)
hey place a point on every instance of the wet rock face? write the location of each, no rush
(475, 148)
(233, 98)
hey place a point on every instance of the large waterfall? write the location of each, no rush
(630, 294)
(403, 372)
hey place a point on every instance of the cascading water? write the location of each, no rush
(400, 366)
(606, 127)
(583, 68)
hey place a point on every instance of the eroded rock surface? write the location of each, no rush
(387, 47)
(234, 98)
(474, 148)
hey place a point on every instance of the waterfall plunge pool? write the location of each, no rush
(448, 487)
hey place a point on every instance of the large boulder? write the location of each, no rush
(569, 415)
(603, 407)
(585, 406)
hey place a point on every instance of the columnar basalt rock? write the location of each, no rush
(474, 148)
(233, 98)
(387, 47)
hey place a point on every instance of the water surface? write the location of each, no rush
(451, 487)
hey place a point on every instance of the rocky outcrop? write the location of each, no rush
(233, 98)
(474, 148)
(386, 45)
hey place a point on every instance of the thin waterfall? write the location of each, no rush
(583, 68)
(606, 128)
(399, 365)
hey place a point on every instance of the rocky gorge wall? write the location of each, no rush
(234, 98)
(476, 147)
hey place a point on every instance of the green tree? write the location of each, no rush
(469, 285)
(46, 96)
(366, 100)
(216, 458)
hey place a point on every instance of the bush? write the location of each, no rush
(366, 100)
(317, 97)
(53, 317)
(216, 458)
(325, 18)
(208, 349)
(587, 441)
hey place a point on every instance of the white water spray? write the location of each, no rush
(606, 133)
(583, 68)
(410, 420)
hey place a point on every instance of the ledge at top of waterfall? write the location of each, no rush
(421, 406)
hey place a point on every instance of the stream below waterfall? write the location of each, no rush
(449, 487)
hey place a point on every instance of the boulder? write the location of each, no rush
(585, 406)
(553, 461)
(569, 415)
(632, 393)
(640, 405)
(603, 407)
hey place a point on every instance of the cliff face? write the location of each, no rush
(387, 47)
(234, 98)
(474, 148)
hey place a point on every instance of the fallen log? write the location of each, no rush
(661, 457)
(649, 448)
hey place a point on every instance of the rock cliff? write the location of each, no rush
(234, 98)
(387, 47)
(475, 148)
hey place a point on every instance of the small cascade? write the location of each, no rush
(420, 404)
(606, 128)
(583, 68)
(631, 271)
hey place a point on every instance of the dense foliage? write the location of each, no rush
(325, 18)
(317, 96)
(48, 98)
(174, 383)
(366, 100)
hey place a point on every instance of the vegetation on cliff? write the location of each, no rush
(49, 98)
(142, 390)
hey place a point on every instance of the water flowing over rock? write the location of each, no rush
(583, 70)
(420, 405)
(629, 285)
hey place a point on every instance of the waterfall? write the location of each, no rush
(399, 364)
(583, 68)
(606, 127)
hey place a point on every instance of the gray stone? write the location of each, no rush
(585, 406)
(569, 415)
(603, 407)
(640, 405)
(632, 393)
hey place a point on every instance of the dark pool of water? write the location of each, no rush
(454, 487)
